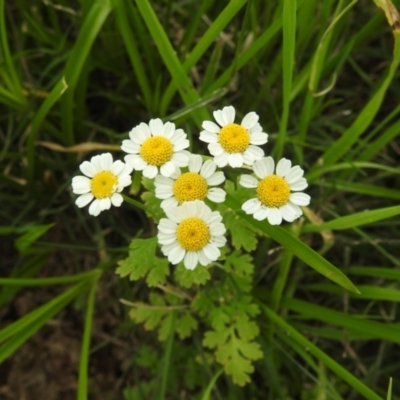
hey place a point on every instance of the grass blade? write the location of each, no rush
(341, 372)
(355, 220)
(90, 28)
(181, 80)
(299, 249)
(84, 359)
(288, 61)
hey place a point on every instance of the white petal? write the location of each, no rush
(261, 214)
(208, 169)
(84, 200)
(221, 160)
(105, 204)
(296, 210)
(95, 208)
(215, 149)
(117, 167)
(130, 147)
(167, 169)
(116, 200)
(251, 206)
(248, 181)
(217, 229)
(258, 138)
(228, 114)
(235, 160)
(208, 137)
(219, 118)
(301, 199)
(274, 216)
(166, 238)
(216, 179)
(181, 158)
(210, 127)
(301, 184)
(176, 255)
(294, 174)
(255, 152)
(249, 120)
(191, 260)
(269, 162)
(135, 161)
(96, 161)
(181, 145)
(203, 260)
(283, 167)
(211, 251)
(156, 127)
(170, 202)
(81, 185)
(219, 241)
(216, 195)
(124, 181)
(260, 168)
(88, 169)
(288, 213)
(106, 161)
(169, 129)
(150, 171)
(195, 163)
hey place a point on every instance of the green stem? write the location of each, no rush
(84, 360)
(59, 280)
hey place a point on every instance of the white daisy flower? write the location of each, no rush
(274, 198)
(103, 181)
(192, 233)
(231, 143)
(192, 185)
(156, 146)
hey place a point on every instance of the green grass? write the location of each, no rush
(75, 77)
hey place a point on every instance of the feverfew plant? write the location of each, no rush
(199, 264)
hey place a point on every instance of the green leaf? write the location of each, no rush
(188, 278)
(247, 329)
(151, 202)
(158, 273)
(354, 220)
(241, 264)
(242, 234)
(186, 325)
(35, 232)
(142, 260)
(236, 356)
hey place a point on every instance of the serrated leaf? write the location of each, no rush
(165, 327)
(242, 234)
(236, 355)
(140, 260)
(213, 339)
(185, 325)
(152, 206)
(158, 272)
(240, 263)
(187, 278)
(247, 329)
(150, 317)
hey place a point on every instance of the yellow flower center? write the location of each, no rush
(190, 186)
(156, 150)
(234, 138)
(103, 184)
(193, 234)
(273, 191)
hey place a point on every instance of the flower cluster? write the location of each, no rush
(191, 231)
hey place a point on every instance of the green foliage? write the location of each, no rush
(151, 202)
(187, 278)
(142, 261)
